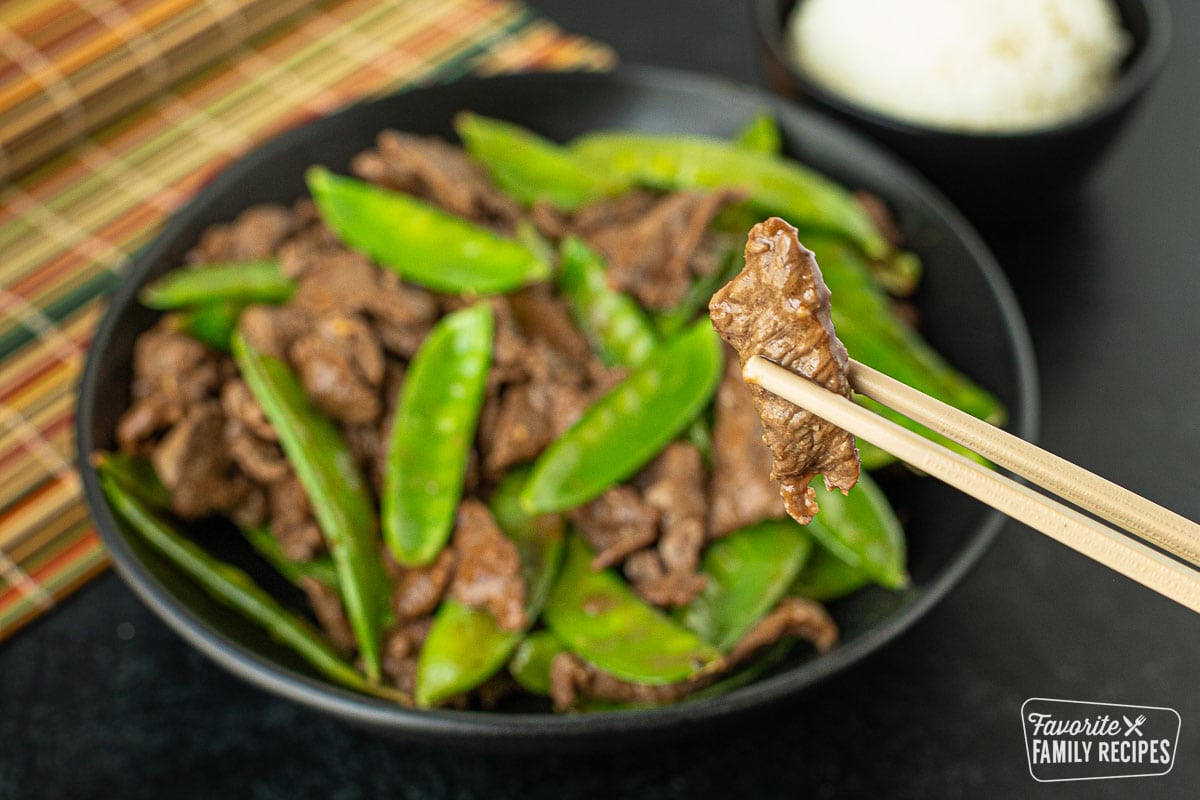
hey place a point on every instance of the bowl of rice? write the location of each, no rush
(1005, 104)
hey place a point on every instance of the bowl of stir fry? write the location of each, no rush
(417, 415)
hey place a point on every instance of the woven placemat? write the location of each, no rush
(68, 227)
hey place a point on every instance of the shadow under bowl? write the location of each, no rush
(988, 173)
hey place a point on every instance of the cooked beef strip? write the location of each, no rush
(651, 256)
(673, 484)
(616, 524)
(549, 221)
(539, 384)
(439, 172)
(572, 679)
(401, 645)
(545, 318)
(254, 234)
(488, 574)
(778, 307)
(795, 617)
(252, 509)
(292, 522)
(622, 211)
(258, 230)
(517, 426)
(239, 405)
(341, 366)
(660, 585)
(327, 607)
(171, 373)
(339, 281)
(192, 461)
(742, 490)
(418, 590)
(263, 461)
(273, 330)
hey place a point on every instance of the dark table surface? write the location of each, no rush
(99, 699)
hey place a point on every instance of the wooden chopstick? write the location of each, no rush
(1105, 499)
(1131, 558)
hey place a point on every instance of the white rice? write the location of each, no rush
(978, 65)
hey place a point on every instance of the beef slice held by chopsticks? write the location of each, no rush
(778, 307)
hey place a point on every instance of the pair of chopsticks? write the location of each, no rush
(1090, 492)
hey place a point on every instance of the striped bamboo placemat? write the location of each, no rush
(67, 227)
(73, 65)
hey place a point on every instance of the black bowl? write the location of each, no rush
(969, 313)
(985, 172)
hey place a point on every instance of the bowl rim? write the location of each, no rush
(1133, 80)
(499, 729)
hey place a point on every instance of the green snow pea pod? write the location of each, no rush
(861, 529)
(135, 475)
(234, 588)
(531, 168)
(825, 576)
(627, 427)
(249, 282)
(599, 618)
(320, 569)
(530, 664)
(760, 134)
(775, 185)
(334, 486)
(465, 646)
(212, 323)
(420, 242)
(613, 322)
(432, 434)
(748, 572)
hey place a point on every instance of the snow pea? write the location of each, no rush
(419, 241)
(613, 322)
(825, 576)
(530, 664)
(873, 335)
(335, 488)
(775, 185)
(748, 572)
(135, 475)
(248, 282)
(212, 323)
(465, 646)
(432, 433)
(627, 427)
(532, 168)
(598, 617)
(861, 529)
(234, 588)
(760, 134)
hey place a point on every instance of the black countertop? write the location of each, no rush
(99, 699)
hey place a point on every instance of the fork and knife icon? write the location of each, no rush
(1134, 726)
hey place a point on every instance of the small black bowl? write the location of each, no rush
(982, 171)
(968, 311)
